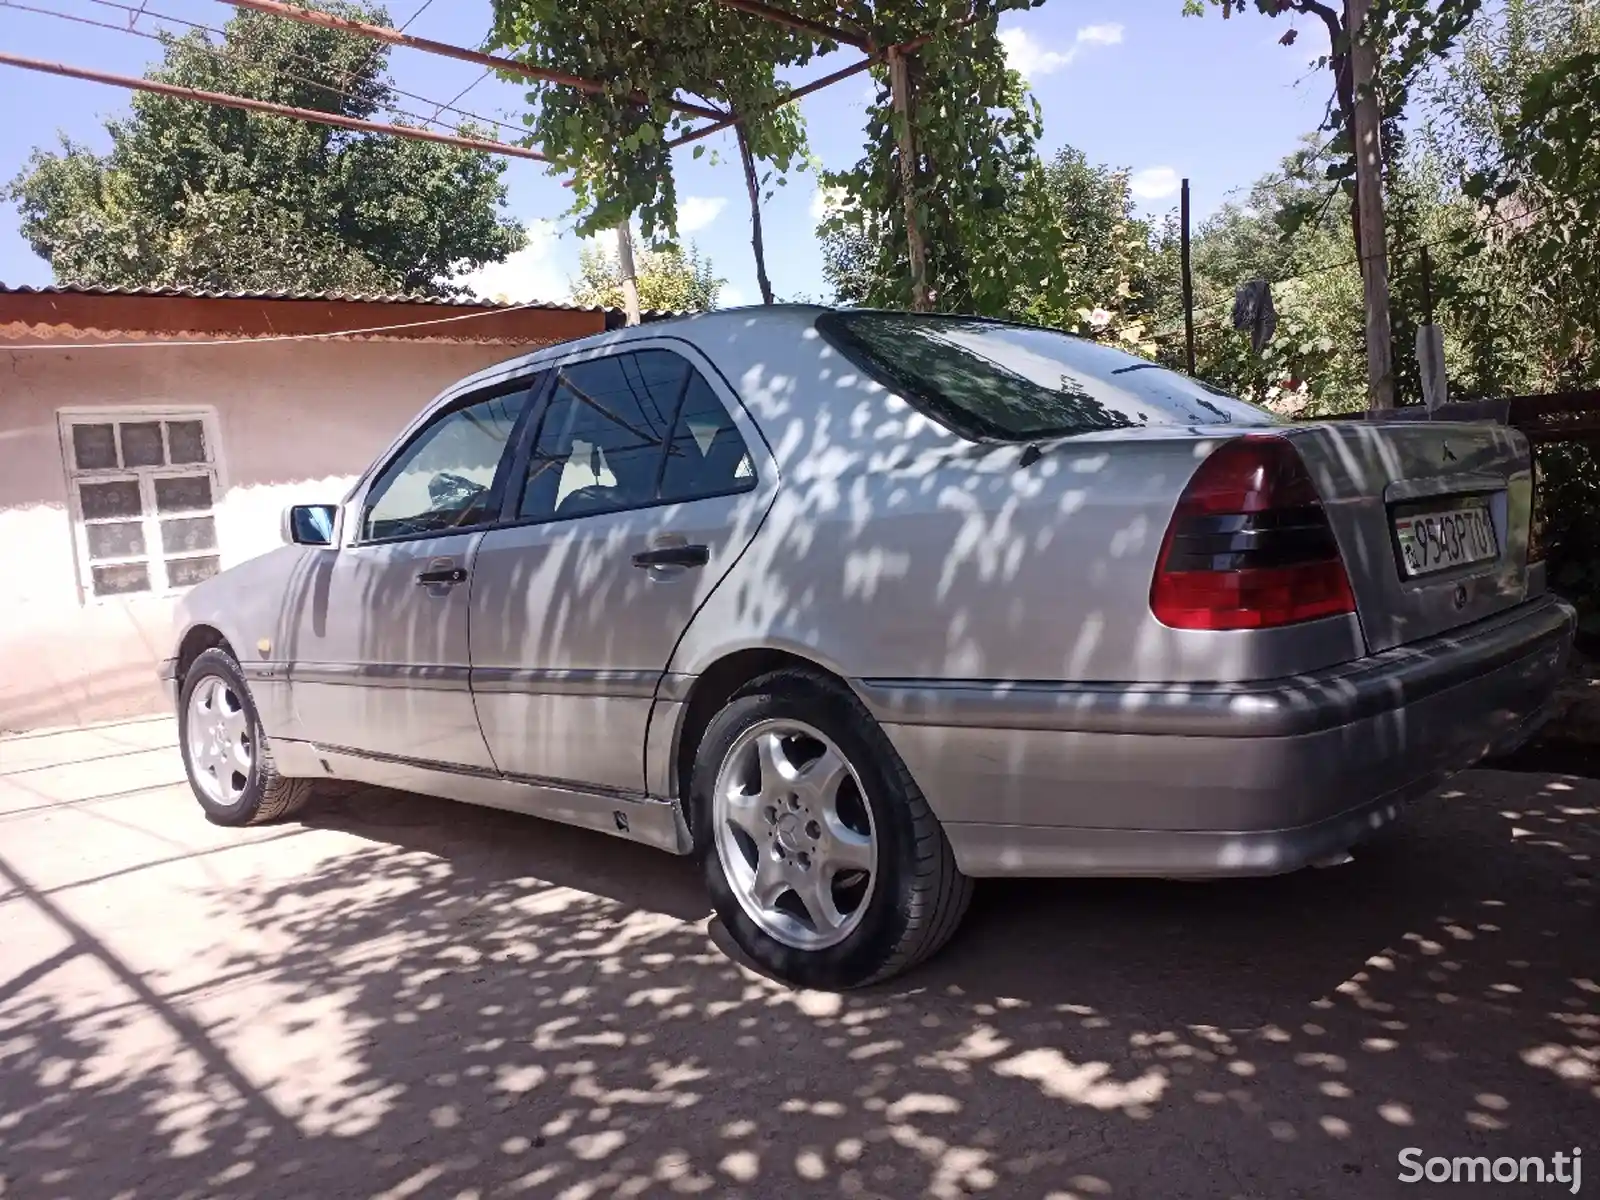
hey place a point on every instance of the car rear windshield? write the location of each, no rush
(990, 381)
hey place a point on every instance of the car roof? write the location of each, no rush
(696, 328)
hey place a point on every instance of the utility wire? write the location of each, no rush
(426, 4)
(219, 53)
(222, 52)
(488, 71)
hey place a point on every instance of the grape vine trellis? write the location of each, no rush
(933, 156)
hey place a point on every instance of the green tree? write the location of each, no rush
(1411, 36)
(1094, 265)
(196, 195)
(670, 278)
(1517, 112)
(978, 187)
(654, 55)
(970, 121)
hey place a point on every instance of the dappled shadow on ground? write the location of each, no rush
(469, 1004)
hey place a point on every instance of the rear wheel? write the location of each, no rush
(226, 754)
(823, 859)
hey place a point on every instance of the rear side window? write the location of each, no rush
(989, 381)
(629, 431)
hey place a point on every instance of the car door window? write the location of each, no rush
(707, 456)
(444, 479)
(602, 438)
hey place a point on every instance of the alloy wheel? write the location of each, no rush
(794, 834)
(221, 750)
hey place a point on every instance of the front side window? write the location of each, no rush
(989, 381)
(444, 479)
(144, 489)
(628, 431)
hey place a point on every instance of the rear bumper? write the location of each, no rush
(1220, 779)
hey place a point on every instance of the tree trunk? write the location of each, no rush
(754, 187)
(916, 250)
(630, 279)
(1369, 204)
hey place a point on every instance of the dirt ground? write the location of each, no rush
(407, 998)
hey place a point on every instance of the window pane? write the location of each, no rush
(442, 480)
(141, 444)
(186, 572)
(118, 499)
(983, 379)
(94, 447)
(599, 446)
(192, 533)
(122, 539)
(121, 579)
(187, 493)
(187, 441)
(707, 456)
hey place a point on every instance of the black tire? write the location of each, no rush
(268, 796)
(920, 896)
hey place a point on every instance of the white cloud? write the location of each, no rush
(1027, 57)
(731, 297)
(696, 212)
(824, 201)
(1153, 183)
(1100, 35)
(1030, 59)
(528, 274)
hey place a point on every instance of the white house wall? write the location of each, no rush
(297, 422)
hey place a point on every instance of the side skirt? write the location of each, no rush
(631, 815)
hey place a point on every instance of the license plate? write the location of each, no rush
(1445, 537)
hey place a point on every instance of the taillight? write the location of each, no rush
(1249, 546)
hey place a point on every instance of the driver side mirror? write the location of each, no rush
(309, 524)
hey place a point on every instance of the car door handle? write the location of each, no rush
(442, 575)
(673, 556)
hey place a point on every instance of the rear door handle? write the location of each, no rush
(673, 556)
(442, 575)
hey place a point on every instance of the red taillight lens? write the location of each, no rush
(1249, 546)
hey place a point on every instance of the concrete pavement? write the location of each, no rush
(406, 998)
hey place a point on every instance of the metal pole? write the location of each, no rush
(1427, 286)
(1369, 207)
(789, 97)
(264, 106)
(382, 33)
(1188, 284)
(630, 280)
(816, 29)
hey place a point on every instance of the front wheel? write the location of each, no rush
(822, 857)
(225, 751)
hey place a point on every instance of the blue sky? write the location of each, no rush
(1131, 82)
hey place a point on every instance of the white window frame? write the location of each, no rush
(149, 518)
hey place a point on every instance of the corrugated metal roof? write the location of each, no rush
(193, 293)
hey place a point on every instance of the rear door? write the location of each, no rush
(1432, 519)
(643, 479)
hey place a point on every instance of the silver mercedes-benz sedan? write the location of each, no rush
(857, 606)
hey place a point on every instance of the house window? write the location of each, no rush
(144, 490)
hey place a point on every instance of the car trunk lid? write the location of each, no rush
(1431, 518)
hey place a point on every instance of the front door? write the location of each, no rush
(643, 483)
(380, 663)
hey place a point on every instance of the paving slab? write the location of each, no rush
(401, 997)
